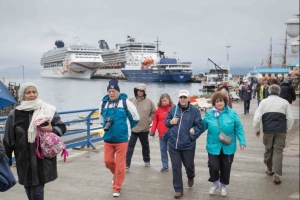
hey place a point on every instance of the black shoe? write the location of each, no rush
(244, 113)
(247, 111)
(190, 182)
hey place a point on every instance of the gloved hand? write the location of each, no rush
(152, 134)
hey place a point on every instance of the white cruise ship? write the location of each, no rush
(115, 59)
(71, 61)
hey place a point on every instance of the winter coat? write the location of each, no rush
(159, 120)
(146, 110)
(178, 135)
(276, 115)
(123, 120)
(245, 94)
(230, 125)
(31, 170)
(287, 92)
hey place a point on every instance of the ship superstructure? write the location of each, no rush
(115, 59)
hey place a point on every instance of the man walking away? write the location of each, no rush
(277, 119)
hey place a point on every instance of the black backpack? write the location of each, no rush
(284, 92)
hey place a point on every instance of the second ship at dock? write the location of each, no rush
(141, 62)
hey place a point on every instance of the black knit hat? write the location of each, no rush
(113, 84)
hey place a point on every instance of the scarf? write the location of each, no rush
(41, 109)
(217, 112)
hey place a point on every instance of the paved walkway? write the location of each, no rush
(84, 175)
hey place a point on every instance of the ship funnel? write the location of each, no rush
(103, 45)
(59, 43)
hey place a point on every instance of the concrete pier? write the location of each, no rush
(84, 175)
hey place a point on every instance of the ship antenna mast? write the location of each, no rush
(270, 56)
(77, 39)
(157, 44)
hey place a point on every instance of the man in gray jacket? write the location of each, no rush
(146, 110)
(277, 119)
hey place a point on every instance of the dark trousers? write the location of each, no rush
(143, 136)
(246, 105)
(35, 192)
(178, 157)
(220, 167)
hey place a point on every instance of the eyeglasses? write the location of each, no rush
(182, 97)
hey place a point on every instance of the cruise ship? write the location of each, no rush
(115, 59)
(71, 61)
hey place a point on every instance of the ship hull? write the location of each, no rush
(81, 70)
(152, 76)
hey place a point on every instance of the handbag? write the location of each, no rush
(7, 179)
(225, 139)
(48, 144)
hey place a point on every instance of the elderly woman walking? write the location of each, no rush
(20, 137)
(220, 156)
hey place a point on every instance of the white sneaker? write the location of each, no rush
(116, 194)
(223, 192)
(147, 164)
(213, 189)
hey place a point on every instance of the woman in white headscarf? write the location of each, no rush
(20, 135)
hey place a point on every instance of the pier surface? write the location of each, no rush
(84, 175)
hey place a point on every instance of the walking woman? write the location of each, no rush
(220, 156)
(20, 135)
(163, 107)
(246, 96)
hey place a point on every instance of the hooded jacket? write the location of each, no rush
(31, 170)
(123, 120)
(145, 108)
(178, 135)
(230, 125)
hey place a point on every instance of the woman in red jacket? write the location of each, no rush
(163, 107)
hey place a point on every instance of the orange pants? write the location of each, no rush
(115, 160)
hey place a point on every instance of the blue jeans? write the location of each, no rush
(258, 100)
(35, 192)
(164, 152)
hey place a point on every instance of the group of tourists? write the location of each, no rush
(178, 125)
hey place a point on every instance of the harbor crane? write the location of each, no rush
(218, 69)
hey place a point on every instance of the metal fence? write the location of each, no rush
(88, 118)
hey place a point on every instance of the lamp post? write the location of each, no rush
(23, 73)
(228, 46)
(292, 30)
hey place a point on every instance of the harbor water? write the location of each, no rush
(73, 94)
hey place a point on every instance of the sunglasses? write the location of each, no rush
(183, 97)
(140, 90)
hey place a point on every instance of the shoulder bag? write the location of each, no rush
(225, 139)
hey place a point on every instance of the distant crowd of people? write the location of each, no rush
(178, 124)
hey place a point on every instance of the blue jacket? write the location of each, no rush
(230, 125)
(123, 119)
(178, 135)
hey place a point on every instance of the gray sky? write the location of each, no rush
(195, 29)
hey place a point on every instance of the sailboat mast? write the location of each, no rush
(270, 56)
(285, 49)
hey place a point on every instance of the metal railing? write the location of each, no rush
(88, 141)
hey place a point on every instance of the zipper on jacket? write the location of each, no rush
(179, 128)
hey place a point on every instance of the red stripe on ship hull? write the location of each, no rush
(84, 66)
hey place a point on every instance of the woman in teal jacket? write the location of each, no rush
(220, 156)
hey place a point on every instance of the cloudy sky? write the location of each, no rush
(196, 30)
